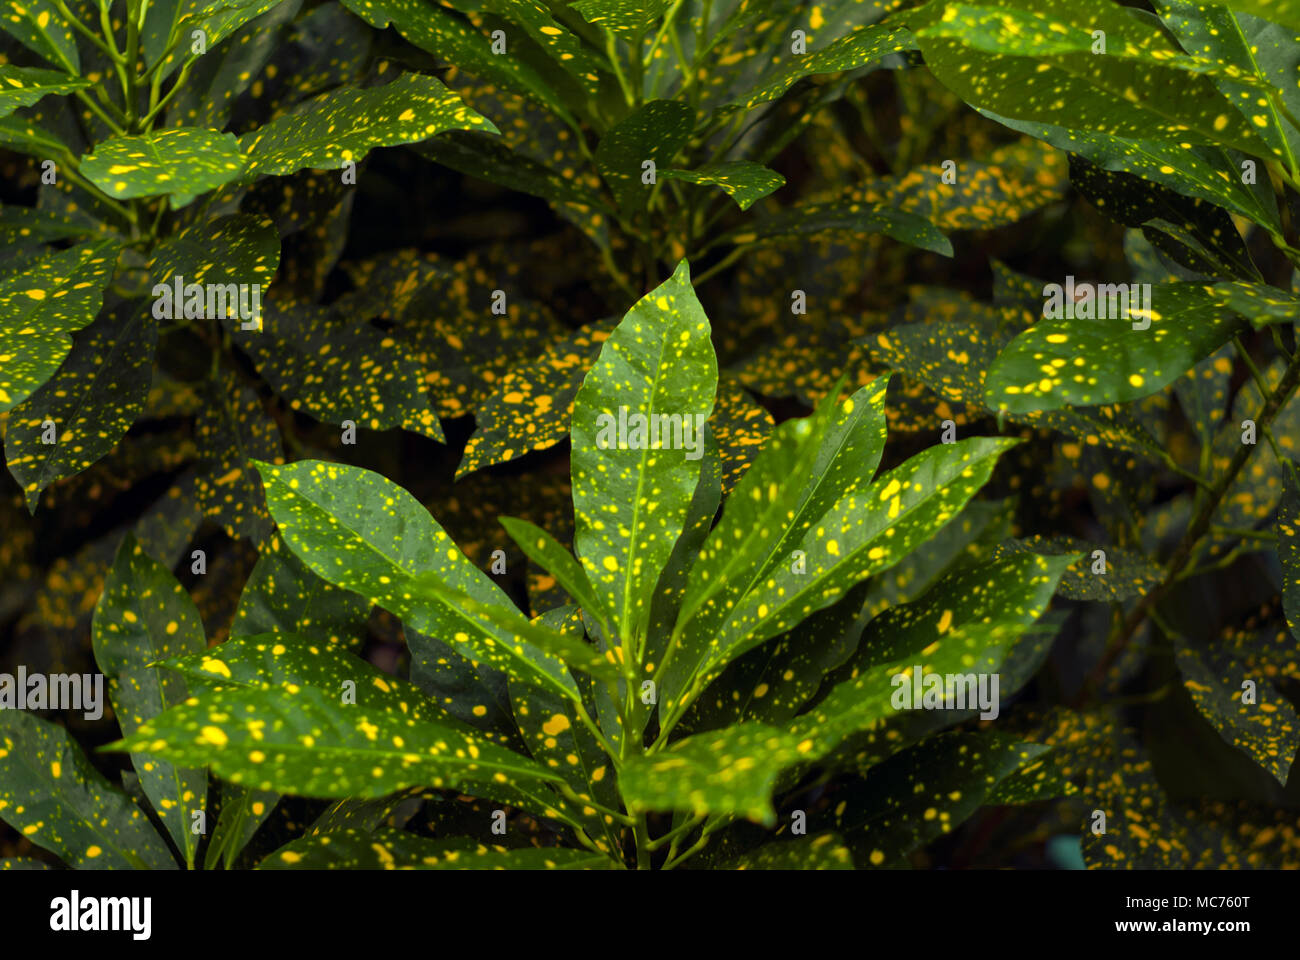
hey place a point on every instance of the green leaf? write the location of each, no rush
(1194, 232)
(655, 132)
(24, 86)
(1285, 12)
(549, 554)
(283, 596)
(964, 628)
(243, 812)
(496, 621)
(1261, 304)
(858, 49)
(1128, 572)
(388, 849)
(488, 158)
(52, 794)
(806, 467)
(39, 26)
(630, 495)
(364, 533)
(40, 307)
(625, 19)
(344, 125)
(864, 532)
(1062, 361)
(269, 739)
(1198, 171)
(452, 38)
(1025, 65)
(531, 406)
(238, 249)
(742, 180)
(282, 713)
(92, 401)
(845, 218)
(183, 160)
(925, 792)
(1257, 719)
(337, 367)
(824, 851)
(1263, 54)
(144, 616)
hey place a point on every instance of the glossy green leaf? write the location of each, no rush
(1064, 361)
(283, 596)
(654, 133)
(924, 793)
(858, 49)
(388, 849)
(40, 308)
(23, 86)
(742, 180)
(52, 794)
(344, 125)
(631, 493)
(1024, 64)
(92, 400)
(625, 19)
(144, 616)
(184, 160)
(39, 26)
(364, 533)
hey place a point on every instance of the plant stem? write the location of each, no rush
(1199, 527)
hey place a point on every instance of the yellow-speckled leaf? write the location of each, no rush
(144, 616)
(631, 489)
(345, 124)
(389, 849)
(183, 160)
(364, 533)
(23, 86)
(40, 307)
(92, 400)
(1059, 362)
(1026, 63)
(742, 180)
(52, 794)
(40, 27)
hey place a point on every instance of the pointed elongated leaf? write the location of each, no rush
(364, 533)
(23, 86)
(40, 307)
(143, 616)
(847, 53)
(283, 596)
(344, 125)
(183, 160)
(92, 400)
(1063, 361)
(742, 180)
(52, 794)
(388, 849)
(630, 495)
(39, 26)
(654, 133)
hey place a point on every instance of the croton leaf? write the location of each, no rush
(23, 86)
(91, 401)
(362, 532)
(344, 125)
(183, 160)
(1023, 64)
(742, 180)
(40, 307)
(1133, 352)
(388, 849)
(653, 133)
(657, 373)
(52, 794)
(847, 53)
(39, 26)
(144, 616)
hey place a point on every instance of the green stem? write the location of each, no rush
(611, 51)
